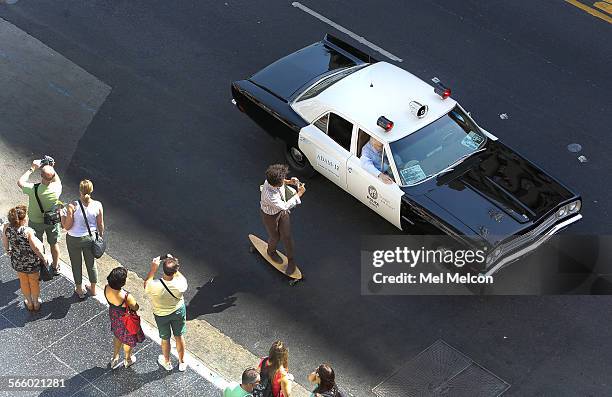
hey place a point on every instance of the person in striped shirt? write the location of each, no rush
(276, 202)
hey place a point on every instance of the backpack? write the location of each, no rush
(264, 387)
(331, 393)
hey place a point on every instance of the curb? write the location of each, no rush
(151, 332)
(226, 358)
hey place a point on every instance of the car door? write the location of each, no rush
(384, 199)
(326, 144)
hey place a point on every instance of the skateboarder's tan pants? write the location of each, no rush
(279, 228)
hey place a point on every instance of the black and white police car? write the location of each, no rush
(327, 100)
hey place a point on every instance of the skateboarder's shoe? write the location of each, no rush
(275, 256)
(291, 266)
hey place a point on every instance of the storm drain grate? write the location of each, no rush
(441, 370)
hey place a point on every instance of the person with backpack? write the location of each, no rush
(276, 381)
(169, 310)
(325, 381)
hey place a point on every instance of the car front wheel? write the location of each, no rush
(298, 162)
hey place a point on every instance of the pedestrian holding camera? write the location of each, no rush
(169, 310)
(81, 218)
(44, 204)
(275, 207)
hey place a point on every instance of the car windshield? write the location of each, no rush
(436, 147)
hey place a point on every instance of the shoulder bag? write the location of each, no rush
(130, 319)
(98, 244)
(168, 289)
(51, 217)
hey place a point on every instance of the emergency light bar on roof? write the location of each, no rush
(384, 123)
(442, 90)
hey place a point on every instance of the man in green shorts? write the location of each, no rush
(49, 191)
(166, 295)
(250, 377)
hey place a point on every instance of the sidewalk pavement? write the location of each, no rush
(70, 339)
(219, 358)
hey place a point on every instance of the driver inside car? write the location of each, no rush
(372, 160)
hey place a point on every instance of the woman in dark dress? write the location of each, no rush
(118, 299)
(26, 252)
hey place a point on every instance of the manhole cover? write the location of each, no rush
(441, 370)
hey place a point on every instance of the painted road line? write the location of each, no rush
(344, 30)
(590, 10)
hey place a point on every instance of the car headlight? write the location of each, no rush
(561, 212)
(574, 206)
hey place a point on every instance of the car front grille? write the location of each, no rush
(527, 238)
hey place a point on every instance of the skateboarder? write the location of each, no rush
(275, 207)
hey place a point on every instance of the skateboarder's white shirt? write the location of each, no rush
(273, 199)
(164, 303)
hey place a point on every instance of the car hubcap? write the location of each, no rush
(297, 155)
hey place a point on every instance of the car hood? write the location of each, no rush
(498, 193)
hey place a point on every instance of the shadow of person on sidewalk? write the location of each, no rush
(55, 309)
(118, 382)
(213, 297)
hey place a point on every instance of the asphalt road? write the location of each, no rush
(177, 168)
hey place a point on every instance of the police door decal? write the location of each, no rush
(329, 165)
(384, 199)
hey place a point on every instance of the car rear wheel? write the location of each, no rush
(298, 162)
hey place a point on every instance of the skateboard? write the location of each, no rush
(261, 246)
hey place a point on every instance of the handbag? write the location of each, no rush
(130, 319)
(46, 271)
(51, 217)
(98, 244)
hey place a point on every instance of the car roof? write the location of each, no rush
(380, 89)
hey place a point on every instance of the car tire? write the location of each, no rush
(298, 162)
